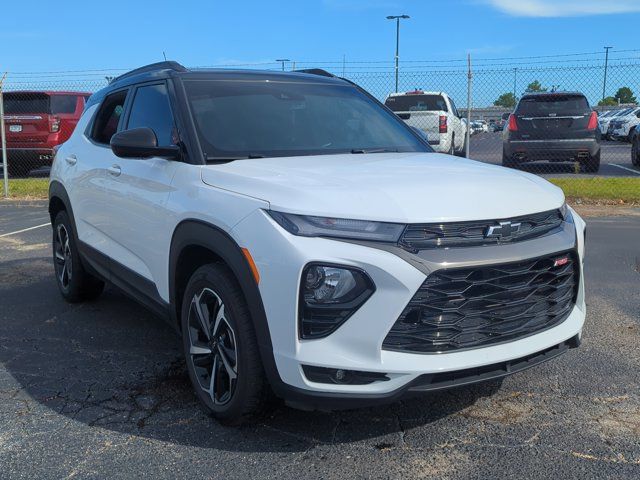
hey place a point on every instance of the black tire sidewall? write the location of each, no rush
(592, 165)
(74, 291)
(220, 280)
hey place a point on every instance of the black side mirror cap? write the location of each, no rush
(141, 143)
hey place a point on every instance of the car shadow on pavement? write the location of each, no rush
(110, 364)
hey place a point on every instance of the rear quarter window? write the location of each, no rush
(546, 105)
(63, 104)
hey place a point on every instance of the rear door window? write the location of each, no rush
(108, 117)
(63, 104)
(151, 108)
(416, 103)
(27, 102)
(553, 105)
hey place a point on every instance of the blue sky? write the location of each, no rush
(72, 35)
(116, 34)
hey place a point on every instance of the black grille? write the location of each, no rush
(473, 307)
(472, 234)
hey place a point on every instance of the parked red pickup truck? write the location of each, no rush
(35, 123)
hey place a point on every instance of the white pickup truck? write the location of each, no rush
(435, 114)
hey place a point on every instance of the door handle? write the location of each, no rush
(114, 170)
(71, 160)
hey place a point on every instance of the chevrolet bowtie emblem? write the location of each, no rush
(503, 231)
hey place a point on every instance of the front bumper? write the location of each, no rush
(562, 150)
(357, 344)
(619, 133)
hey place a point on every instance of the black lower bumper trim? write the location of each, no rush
(309, 400)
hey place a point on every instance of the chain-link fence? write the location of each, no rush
(568, 119)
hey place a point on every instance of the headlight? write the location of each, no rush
(329, 295)
(565, 213)
(310, 226)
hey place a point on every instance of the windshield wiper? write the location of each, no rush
(374, 150)
(232, 159)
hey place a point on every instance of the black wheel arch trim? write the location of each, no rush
(191, 233)
(57, 191)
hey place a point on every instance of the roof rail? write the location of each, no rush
(166, 65)
(316, 71)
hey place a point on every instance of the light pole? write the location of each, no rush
(515, 83)
(397, 19)
(282, 60)
(606, 67)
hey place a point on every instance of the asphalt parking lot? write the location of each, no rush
(615, 158)
(99, 390)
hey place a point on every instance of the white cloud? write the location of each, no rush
(564, 8)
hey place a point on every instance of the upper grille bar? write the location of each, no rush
(474, 233)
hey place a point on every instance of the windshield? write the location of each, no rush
(554, 104)
(416, 103)
(236, 119)
(625, 112)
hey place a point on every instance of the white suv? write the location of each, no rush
(435, 114)
(305, 242)
(622, 128)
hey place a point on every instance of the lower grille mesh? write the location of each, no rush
(472, 307)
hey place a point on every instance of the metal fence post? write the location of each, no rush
(468, 135)
(5, 169)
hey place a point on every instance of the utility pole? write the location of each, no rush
(397, 19)
(515, 83)
(282, 60)
(606, 67)
(344, 61)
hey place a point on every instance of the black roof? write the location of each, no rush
(169, 69)
(554, 92)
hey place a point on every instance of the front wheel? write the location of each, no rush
(220, 346)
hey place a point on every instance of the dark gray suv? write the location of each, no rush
(553, 127)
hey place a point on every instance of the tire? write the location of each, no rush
(16, 169)
(592, 165)
(463, 150)
(452, 148)
(635, 150)
(507, 162)
(218, 336)
(74, 283)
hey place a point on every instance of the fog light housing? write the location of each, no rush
(329, 295)
(342, 377)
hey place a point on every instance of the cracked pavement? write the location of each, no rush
(99, 390)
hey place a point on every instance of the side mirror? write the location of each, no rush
(141, 143)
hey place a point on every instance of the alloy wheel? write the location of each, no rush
(63, 258)
(212, 347)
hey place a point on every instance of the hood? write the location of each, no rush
(391, 187)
